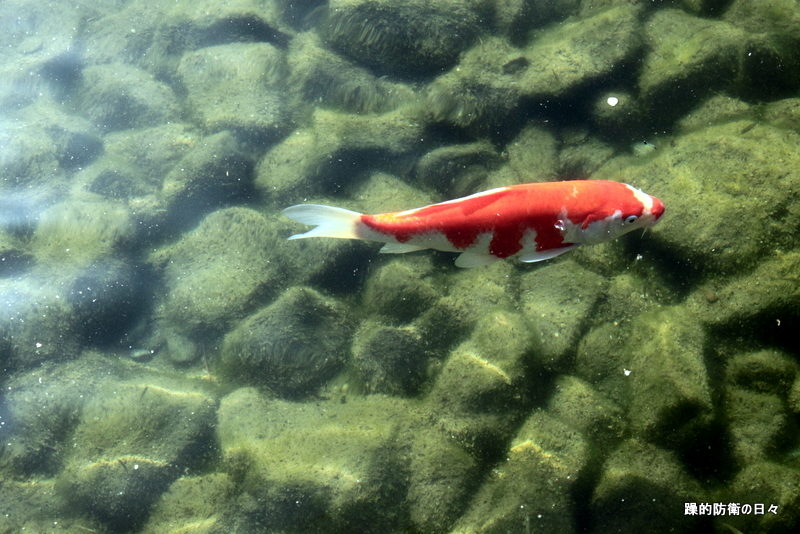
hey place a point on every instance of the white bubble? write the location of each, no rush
(612, 101)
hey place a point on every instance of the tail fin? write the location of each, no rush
(329, 221)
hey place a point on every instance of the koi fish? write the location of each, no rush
(530, 222)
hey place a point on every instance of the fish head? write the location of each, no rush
(614, 217)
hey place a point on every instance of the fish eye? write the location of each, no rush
(630, 219)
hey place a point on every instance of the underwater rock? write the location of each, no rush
(408, 38)
(516, 18)
(766, 371)
(478, 395)
(117, 97)
(705, 176)
(670, 398)
(640, 486)
(153, 151)
(558, 299)
(45, 315)
(216, 171)
(442, 479)
(135, 162)
(493, 76)
(531, 155)
(770, 51)
(532, 489)
(770, 484)
(218, 272)
(291, 346)
(167, 31)
(597, 360)
(763, 300)
(29, 160)
(400, 291)
(689, 58)
(131, 442)
(716, 109)
(579, 405)
(78, 233)
(314, 466)
(194, 505)
(457, 170)
(324, 78)
(221, 81)
(27, 504)
(582, 158)
(757, 424)
(106, 299)
(35, 38)
(783, 113)
(617, 114)
(323, 158)
(473, 294)
(389, 359)
(36, 325)
(118, 492)
(757, 385)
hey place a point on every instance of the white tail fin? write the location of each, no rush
(329, 221)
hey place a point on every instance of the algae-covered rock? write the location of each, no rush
(238, 87)
(772, 485)
(118, 96)
(400, 292)
(194, 505)
(131, 442)
(443, 477)
(479, 393)
(765, 371)
(389, 359)
(559, 299)
(217, 273)
(758, 299)
(601, 360)
(706, 176)
(582, 407)
(174, 29)
(79, 232)
(756, 389)
(292, 346)
(532, 489)
(474, 293)
(457, 170)
(670, 395)
(641, 486)
(214, 172)
(783, 113)
(27, 503)
(493, 75)
(314, 464)
(321, 159)
(329, 80)
(758, 424)
(689, 57)
(770, 51)
(72, 294)
(408, 38)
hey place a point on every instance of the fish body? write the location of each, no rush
(530, 222)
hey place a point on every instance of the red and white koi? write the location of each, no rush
(530, 222)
